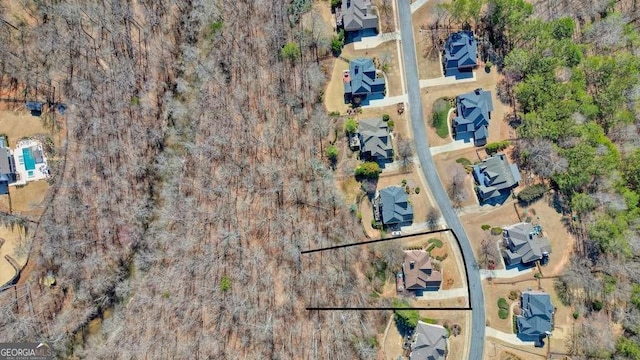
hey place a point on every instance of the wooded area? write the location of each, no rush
(194, 176)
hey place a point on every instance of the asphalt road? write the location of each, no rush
(428, 167)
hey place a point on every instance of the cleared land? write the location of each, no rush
(26, 200)
(429, 63)
(446, 165)
(20, 124)
(500, 350)
(13, 243)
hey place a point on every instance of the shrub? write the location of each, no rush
(537, 275)
(496, 231)
(334, 113)
(417, 190)
(369, 170)
(385, 117)
(464, 161)
(597, 305)
(290, 51)
(442, 258)
(503, 314)
(336, 3)
(350, 125)
(494, 147)
(390, 124)
(404, 182)
(488, 65)
(225, 284)
(514, 294)
(503, 304)
(429, 321)
(359, 215)
(485, 227)
(576, 314)
(407, 318)
(532, 193)
(332, 152)
(336, 45)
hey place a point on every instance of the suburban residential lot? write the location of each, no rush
(392, 343)
(498, 128)
(429, 62)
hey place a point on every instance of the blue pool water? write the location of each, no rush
(29, 163)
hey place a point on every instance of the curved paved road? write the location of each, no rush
(428, 167)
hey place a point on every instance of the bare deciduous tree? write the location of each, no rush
(456, 190)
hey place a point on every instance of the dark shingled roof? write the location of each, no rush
(430, 342)
(472, 118)
(357, 15)
(537, 314)
(375, 142)
(395, 207)
(363, 80)
(495, 176)
(460, 51)
(525, 243)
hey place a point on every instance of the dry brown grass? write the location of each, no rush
(27, 200)
(334, 92)
(446, 165)
(429, 64)
(12, 246)
(498, 216)
(495, 349)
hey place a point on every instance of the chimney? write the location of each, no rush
(412, 264)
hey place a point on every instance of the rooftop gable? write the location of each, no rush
(460, 50)
(418, 270)
(362, 77)
(374, 138)
(496, 173)
(395, 207)
(357, 15)
(430, 342)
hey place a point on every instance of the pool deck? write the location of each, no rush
(41, 170)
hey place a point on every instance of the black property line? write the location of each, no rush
(387, 308)
(464, 262)
(374, 241)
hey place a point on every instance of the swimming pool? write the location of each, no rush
(29, 163)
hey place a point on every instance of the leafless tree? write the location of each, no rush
(457, 190)
(488, 251)
(433, 218)
(405, 152)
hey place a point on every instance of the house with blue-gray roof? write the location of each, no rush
(473, 112)
(361, 81)
(356, 15)
(391, 207)
(460, 53)
(495, 178)
(536, 319)
(375, 141)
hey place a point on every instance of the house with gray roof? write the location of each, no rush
(460, 52)
(473, 112)
(7, 167)
(430, 342)
(375, 142)
(495, 178)
(392, 208)
(356, 15)
(362, 81)
(419, 273)
(524, 244)
(536, 320)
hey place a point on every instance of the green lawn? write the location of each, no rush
(440, 110)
